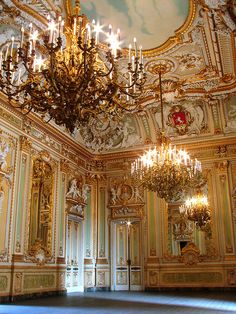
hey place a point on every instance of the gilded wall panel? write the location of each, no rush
(88, 279)
(121, 278)
(39, 281)
(192, 278)
(225, 205)
(153, 278)
(89, 226)
(22, 201)
(18, 283)
(8, 153)
(152, 232)
(102, 222)
(3, 283)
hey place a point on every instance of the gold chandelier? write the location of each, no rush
(197, 209)
(166, 170)
(67, 75)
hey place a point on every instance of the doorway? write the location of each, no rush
(127, 257)
(75, 268)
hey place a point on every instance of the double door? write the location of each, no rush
(127, 257)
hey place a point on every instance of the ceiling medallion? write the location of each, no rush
(77, 77)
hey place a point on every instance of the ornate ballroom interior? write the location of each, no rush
(73, 218)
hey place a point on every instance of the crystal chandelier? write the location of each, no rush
(166, 170)
(197, 209)
(67, 75)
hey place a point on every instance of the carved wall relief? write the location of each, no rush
(40, 229)
(126, 199)
(76, 197)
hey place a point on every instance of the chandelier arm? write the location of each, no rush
(113, 68)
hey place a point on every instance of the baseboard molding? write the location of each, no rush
(155, 289)
(95, 289)
(35, 295)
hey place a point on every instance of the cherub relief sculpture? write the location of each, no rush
(73, 191)
(76, 197)
(125, 193)
(113, 195)
(4, 150)
(85, 190)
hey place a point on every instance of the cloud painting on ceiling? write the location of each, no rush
(151, 21)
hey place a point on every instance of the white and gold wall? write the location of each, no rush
(92, 227)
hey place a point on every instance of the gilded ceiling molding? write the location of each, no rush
(30, 11)
(47, 128)
(177, 38)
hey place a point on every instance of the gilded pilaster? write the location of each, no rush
(64, 170)
(215, 109)
(225, 219)
(23, 193)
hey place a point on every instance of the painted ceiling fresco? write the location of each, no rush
(151, 21)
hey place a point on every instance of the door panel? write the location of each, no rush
(127, 261)
(74, 275)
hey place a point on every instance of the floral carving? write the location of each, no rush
(188, 61)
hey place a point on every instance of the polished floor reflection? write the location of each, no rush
(128, 302)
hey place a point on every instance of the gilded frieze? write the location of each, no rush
(15, 121)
